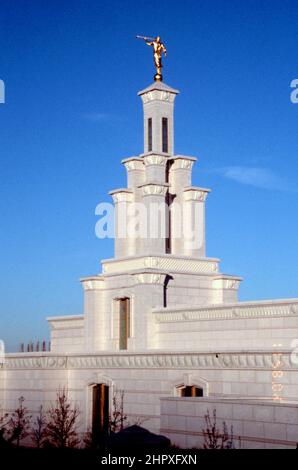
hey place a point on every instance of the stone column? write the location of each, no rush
(225, 289)
(155, 168)
(149, 293)
(154, 229)
(180, 174)
(194, 243)
(136, 176)
(135, 172)
(96, 325)
(124, 243)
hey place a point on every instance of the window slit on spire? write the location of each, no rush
(165, 135)
(150, 135)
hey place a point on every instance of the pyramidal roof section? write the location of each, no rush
(159, 86)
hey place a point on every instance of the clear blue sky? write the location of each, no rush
(72, 70)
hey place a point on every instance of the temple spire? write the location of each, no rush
(158, 105)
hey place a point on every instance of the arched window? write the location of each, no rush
(190, 391)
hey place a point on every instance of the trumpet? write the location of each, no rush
(145, 38)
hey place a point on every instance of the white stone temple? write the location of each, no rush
(162, 322)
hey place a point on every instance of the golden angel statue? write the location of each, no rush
(158, 49)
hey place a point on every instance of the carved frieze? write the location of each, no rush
(226, 360)
(154, 190)
(153, 159)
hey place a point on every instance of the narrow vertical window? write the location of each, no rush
(150, 135)
(169, 199)
(124, 323)
(165, 135)
(100, 410)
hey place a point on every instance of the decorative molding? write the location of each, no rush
(171, 264)
(93, 283)
(226, 283)
(165, 96)
(152, 189)
(227, 312)
(115, 267)
(153, 159)
(232, 284)
(152, 262)
(149, 278)
(158, 95)
(66, 324)
(161, 86)
(122, 196)
(134, 164)
(195, 195)
(294, 309)
(190, 360)
(190, 379)
(182, 164)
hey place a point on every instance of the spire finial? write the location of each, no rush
(158, 49)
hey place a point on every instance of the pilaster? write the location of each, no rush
(124, 243)
(180, 172)
(226, 288)
(149, 288)
(194, 243)
(96, 321)
(156, 212)
(135, 171)
(155, 167)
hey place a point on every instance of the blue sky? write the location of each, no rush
(72, 70)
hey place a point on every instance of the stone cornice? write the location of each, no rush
(194, 193)
(161, 86)
(158, 92)
(228, 311)
(224, 281)
(150, 277)
(64, 323)
(181, 162)
(169, 263)
(155, 159)
(262, 360)
(133, 164)
(132, 159)
(183, 157)
(122, 195)
(92, 283)
(154, 189)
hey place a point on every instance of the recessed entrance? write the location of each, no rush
(100, 410)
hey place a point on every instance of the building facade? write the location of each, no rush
(162, 322)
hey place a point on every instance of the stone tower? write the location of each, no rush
(160, 256)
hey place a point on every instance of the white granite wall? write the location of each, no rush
(257, 424)
(145, 378)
